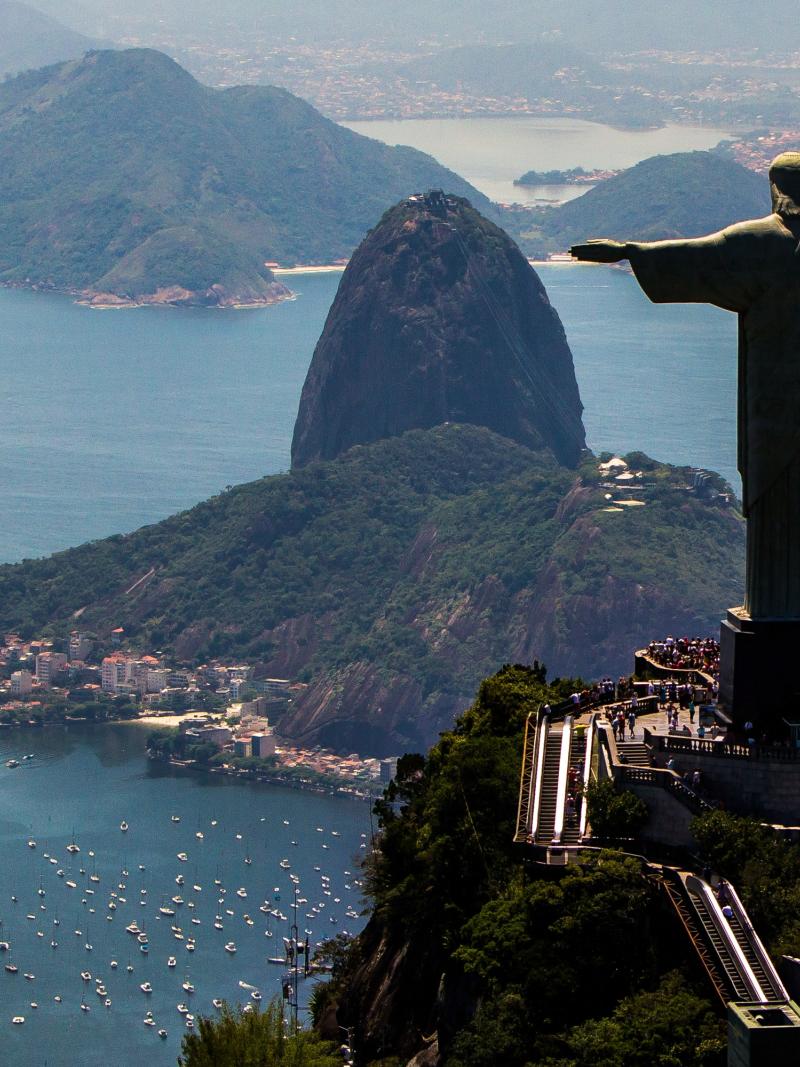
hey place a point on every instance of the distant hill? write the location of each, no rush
(392, 578)
(123, 177)
(439, 318)
(683, 195)
(524, 69)
(548, 69)
(30, 39)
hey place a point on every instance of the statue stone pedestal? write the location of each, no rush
(760, 671)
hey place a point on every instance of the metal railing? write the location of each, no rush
(541, 745)
(526, 776)
(587, 776)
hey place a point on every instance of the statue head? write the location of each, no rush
(784, 178)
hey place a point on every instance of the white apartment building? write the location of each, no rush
(113, 672)
(48, 664)
(79, 645)
(21, 683)
(157, 680)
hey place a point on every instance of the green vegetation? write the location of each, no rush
(551, 177)
(765, 869)
(54, 706)
(415, 564)
(682, 195)
(541, 967)
(105, 188)
(615, 813)
(171, 743)
(254, 1039)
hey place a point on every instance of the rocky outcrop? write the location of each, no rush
(391, 994)
(439, 318)
(365, 708)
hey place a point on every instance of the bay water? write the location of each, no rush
(87, 780)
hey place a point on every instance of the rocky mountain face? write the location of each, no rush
(439, 318)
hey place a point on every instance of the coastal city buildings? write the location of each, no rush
(215, 704)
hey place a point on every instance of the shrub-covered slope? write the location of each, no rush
(395, 577)
(687, 194)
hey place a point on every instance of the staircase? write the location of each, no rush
(634, 753)
(577, 751)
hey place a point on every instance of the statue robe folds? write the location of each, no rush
(752, 269)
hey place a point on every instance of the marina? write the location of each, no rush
(140, 955)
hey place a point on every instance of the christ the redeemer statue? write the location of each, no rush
(753, 269)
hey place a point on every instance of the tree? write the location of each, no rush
(615, 813)
(670, 1027)
(238, 1038)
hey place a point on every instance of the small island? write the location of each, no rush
(574, 176)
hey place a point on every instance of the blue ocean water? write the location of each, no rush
(659, 378)
(86, 780)
(114, 419)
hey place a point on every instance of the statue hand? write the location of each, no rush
(601, 251)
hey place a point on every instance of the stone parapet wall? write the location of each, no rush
(767, 787)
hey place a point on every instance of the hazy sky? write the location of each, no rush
(594, 24)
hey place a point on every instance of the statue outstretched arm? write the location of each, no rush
(600, 251)
(690, 270)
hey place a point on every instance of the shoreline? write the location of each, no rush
(95, 301)
(325, 787)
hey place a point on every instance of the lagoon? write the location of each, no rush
(491, 152)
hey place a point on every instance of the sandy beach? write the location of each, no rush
(164, 721)
(332, 268)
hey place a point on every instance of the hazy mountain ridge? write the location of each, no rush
(104, 189)
(31, 39)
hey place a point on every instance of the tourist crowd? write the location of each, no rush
(685, 653)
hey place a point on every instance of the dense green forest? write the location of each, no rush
(105, 187)
(505, 961)
(415, 564)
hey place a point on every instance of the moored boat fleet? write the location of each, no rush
(201, 915)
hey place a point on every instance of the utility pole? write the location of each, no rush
(294, 962)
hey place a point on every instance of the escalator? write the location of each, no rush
(549, 789)
(728, 947)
